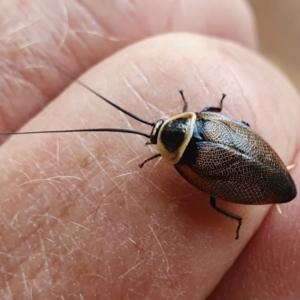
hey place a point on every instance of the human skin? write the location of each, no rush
(78, 218)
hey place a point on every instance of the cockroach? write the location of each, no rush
(218, 155)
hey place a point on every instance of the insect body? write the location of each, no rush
(223, 158)
(218, 155)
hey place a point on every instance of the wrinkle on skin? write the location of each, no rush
(37, 35)
(197, 242)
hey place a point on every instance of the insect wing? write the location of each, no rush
(233, 163)
(223, 130)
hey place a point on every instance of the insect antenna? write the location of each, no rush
(104, 99)
(121, 130)
(81, 130)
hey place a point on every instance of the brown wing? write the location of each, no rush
(228, 164)
(226, 131)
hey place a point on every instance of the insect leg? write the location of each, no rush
(290, 167)
(246, 123)
(227, 214)
(185, 107)
(148, 159)
(216, 109)
(278, 208)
